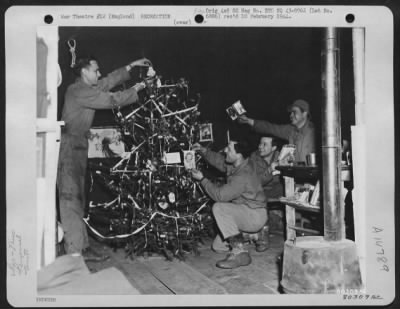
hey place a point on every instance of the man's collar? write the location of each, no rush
(306, 125)
(240, 166)
(244, 162)
(79, 80)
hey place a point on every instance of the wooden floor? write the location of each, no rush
(198, 274)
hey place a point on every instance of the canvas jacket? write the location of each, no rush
(81, 101)
(242, 186)
(271, 184)
(303, 138)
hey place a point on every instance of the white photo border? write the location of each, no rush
(21, 26)
(204, 138)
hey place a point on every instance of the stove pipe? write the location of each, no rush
(333, 206)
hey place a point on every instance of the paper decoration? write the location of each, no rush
(173, 158)
(206, 132)
(235, 110)
(286, 156)
(105, 142)
(189, 159)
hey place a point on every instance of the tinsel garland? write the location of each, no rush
(157, 207)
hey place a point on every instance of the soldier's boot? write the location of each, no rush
(238, 256)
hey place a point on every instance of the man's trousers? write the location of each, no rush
(72, 194)
(233, 219)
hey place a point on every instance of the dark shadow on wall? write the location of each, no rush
(265, 68)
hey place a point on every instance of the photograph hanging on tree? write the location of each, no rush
(206, 132)
(189, 159)
(105, 142)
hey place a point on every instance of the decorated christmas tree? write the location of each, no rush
(156, 206)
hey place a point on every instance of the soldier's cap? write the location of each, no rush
(302, 104)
